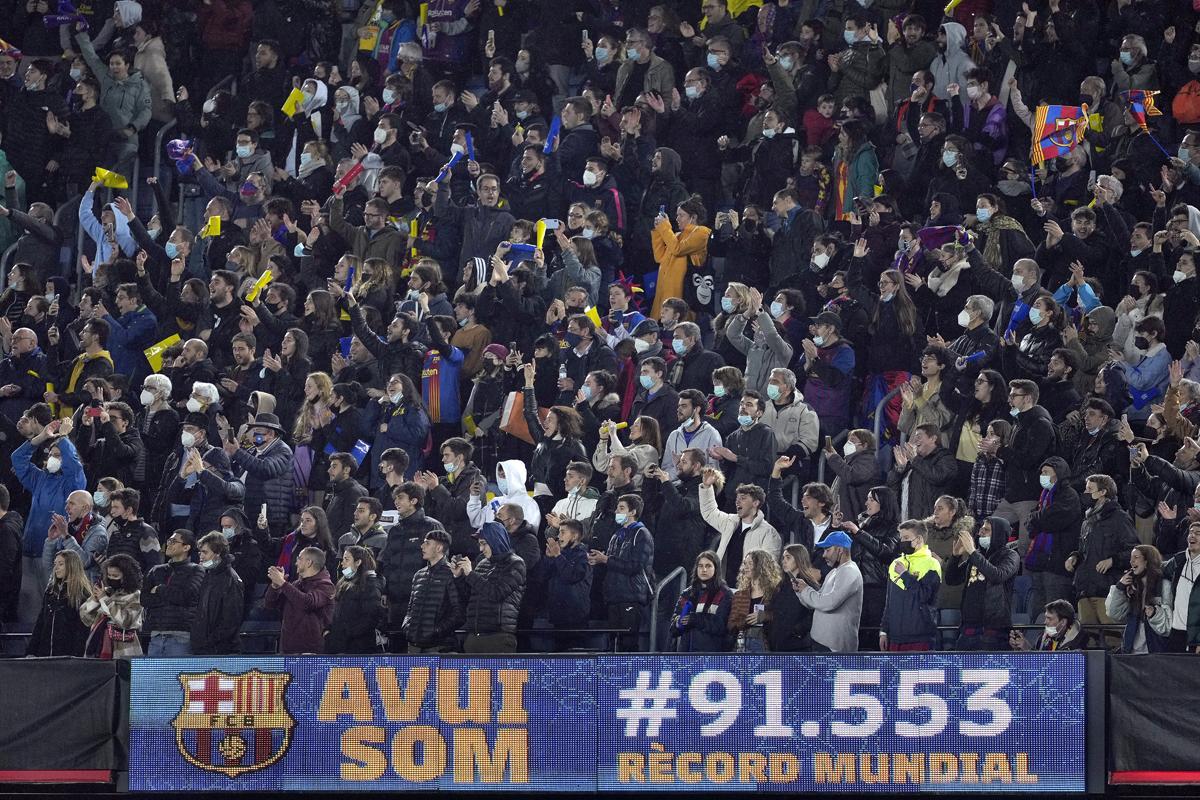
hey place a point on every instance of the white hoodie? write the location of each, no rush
(515, 474)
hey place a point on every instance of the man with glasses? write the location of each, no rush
(1032, 440)
(170, 594)
(641, 71)
(23, 374)
(374, 238)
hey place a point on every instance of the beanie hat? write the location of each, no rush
(130, 12)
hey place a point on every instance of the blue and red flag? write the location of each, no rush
(1056, 131)
(1141, 105)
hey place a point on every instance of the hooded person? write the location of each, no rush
(495, 586)
(108, 247)
(247, 544)
(665, 189)
(1091, 346)
(510, 482)
(987, 565)
(952, 62)
(1054, 529)
(312, 109)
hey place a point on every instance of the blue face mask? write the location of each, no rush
(601, 53)
(1045, 481)
(259, 439)
(1184, 153)
(439, 107)
(727, 305)
(244, 150)
(713, 62)
(983, 214)
(1012, 412)
(1126, 58)
(299, 250)
(347, 573)
(389, 96)
(305, 158)
(632, 54)
(769, 133)
(745, 420)
(949, 158)
(172, 249)
(1035, 316)
(586, 392)
(850, 36)
(620, 518)
(887, 298)
(646, 381)
(502, 485)
(773, 391)
(777, 309)
(819, 341)
(692, 92)
(787, 63)
(678, 346)
(718, 390)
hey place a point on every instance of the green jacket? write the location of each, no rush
(862, 174)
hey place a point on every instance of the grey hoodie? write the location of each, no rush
(951, 66)
(1093, 351)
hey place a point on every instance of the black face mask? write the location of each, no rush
(1086, 100)
(750, 225)
(906, 548)
(1141, 343)
(426, 200)
(574, 310)
(113, 585)
(1135, 291)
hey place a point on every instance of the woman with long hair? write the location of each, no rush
(855, 168)
(972, 416)
(557, 442)
(791, 622)
(313, 531)
(400, 420)
(358, 605)
(856, 469)
(287, 372)
(758, 580)
(734, 301)
(950, 518)
(308, 464)
(59, 630)
(1030, 357)
(645, 445)
(702, 613)
(114, 611)
(1142, 600)
(896, 333)
(876, 539)
(722, 407)
(323, 327)
(376, 286)
(675, 251)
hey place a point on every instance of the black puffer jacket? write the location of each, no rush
(496, 586)
(874, 549)
(1107, 532)
(169, 595)
(357, 612)
(401, 558)
(137, 540)
(218, 612)
(986, 603)
(1031, 441)
(551, 456)
(1054, 530)
(682, 531)
(435, 608)
(448, 503)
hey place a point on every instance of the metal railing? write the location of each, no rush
(678, 574)
(158, 147)
(68, 252)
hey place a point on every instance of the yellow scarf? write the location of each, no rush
(77, 369)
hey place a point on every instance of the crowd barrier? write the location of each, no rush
(919, 723)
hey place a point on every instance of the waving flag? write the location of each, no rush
(1141, 105)
(1056, 131)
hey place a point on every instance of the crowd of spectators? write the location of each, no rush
(462, 327)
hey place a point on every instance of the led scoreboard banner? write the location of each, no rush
(931, 722)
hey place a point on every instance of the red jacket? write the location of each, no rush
(225, 24)
(307, 605)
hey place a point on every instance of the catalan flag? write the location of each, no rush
(1141, 105)
(1056, 131)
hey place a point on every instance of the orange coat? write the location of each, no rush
(674, 252)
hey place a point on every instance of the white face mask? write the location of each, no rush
(985, 542)
(147, 397)
(380, 136)
(964, 318)
(1052, 630)
(53, 464)
(849, 449)
(820, 260)
(1018, 283)
(187, 440)
(640, 345)
(193, 405)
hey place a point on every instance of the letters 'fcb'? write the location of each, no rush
(1056, 131)
(234, 724)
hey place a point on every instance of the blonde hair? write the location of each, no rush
(764, 570)
(381, 276)
(307, 418)
(75, 585)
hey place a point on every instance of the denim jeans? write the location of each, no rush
(170, 645)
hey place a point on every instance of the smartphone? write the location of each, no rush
(585, 34)
(93, 412)
(551, 224)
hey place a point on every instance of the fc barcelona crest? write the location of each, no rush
(234, 724)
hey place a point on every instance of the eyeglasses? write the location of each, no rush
(1017, 394)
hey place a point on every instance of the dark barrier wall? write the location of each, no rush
(1153, 722)
(932, 722)
(63, 720)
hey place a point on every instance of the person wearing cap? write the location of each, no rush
(435, 609)
(987, 565)
(267, 466)
(494, 588)
(828, 362)
(198, 481)
(837, 606)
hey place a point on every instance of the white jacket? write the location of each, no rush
(760, 536)
(479, 512)
(706, 436)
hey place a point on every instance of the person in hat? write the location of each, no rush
(268, 467)
(494, 587)
(837, 605)
(435, 609)
(828, 361)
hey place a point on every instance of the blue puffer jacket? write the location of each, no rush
(630, 565)
(49, 490)
(128, 338)
(268, 480)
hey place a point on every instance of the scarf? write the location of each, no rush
(843, 180)
(941, 282)
(312, 166)
(991, 251)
